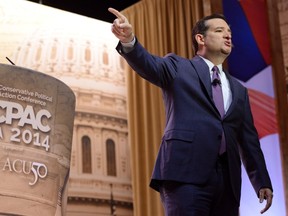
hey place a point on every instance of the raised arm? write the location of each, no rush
(121, 27)
(154, 69)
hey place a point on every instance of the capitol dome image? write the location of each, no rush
(80, 52)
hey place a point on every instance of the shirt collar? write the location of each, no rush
(211, 65)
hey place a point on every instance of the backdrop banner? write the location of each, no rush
(36, 127)
(250, 62)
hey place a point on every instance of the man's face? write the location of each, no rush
(217, 38)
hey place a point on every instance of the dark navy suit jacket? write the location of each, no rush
(191, 140)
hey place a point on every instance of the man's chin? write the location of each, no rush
(226, 52)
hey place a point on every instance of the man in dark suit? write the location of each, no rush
(198, 168)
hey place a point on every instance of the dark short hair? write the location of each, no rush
(201, 28)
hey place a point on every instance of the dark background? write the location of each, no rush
(97, 9)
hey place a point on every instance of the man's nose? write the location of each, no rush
(228, 35)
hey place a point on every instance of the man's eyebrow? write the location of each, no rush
(221, 27)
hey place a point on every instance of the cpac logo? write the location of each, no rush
(39, 170)
(15, 111)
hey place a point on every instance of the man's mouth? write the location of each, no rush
(227, 43)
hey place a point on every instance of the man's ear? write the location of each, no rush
(200, 39)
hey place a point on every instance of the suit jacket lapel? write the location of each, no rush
(233, 92)
(202, 70)
(201, 67)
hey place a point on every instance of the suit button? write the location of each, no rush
(219, 137)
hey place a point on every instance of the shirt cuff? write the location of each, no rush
(129, 44)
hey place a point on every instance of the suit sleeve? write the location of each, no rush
(157, 70)
(251, 153)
